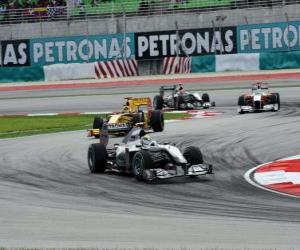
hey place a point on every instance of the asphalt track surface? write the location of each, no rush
(49, 198)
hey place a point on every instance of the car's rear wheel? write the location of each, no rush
(158, 102)
(193, 155)
(141, 161)
(205, 97)
(97, 158)
(157, 121)
(98, 122)
(180, 101)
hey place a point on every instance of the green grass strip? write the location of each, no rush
(16, 126)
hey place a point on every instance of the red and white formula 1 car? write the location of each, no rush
(259, 100)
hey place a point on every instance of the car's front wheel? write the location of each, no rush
(141, 161)
(205, 97)
(158, 102)
(97, 158)
(97, 124)
(193, 155)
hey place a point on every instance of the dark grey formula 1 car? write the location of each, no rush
(179, 99)
(145, 158)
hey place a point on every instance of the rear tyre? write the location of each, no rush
(97, 158)
(193, 155)
(205, 97)
(141, 161)
(157, 121)
(179, 102)
(98, 122)
(158, 102)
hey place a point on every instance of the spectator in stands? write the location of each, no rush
(82, 9)
(94, 3)
(77, 3)
(2, 9)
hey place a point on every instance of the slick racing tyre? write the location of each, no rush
(157, 121)
(158, 102)
(180, 101)
(241, 101)
(141, 161)
(205, 97)
(97, 158)
(272, 99)
(193, 155)
(278, 100)
(98, 122)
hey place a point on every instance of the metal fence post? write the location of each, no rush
(249, 33)
(214, 36)
(288, 27)
(125, 31)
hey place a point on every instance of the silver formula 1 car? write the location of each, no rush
(261, 99)
(145, 159)
(180, 99)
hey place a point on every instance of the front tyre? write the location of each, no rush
(97, 158)
(205, 97)
(278, 100)
(141, 161)
(193, 155)
(241, 101)
(97, 124)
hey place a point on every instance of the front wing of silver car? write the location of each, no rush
(177, 171)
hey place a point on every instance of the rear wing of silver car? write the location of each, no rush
(164, 88)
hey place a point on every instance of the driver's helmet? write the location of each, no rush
(147, 141)
(180, 87)
(258, 84)
(126, 109)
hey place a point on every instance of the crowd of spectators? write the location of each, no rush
(22, 10)
(30, 10)
(19, 4)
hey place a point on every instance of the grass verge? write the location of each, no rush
(16, 126)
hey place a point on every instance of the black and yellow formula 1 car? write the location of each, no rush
(137, 112)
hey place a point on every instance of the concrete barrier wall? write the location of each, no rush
(21, 74)
(237, 62)
(72, 71)
(280, 60)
